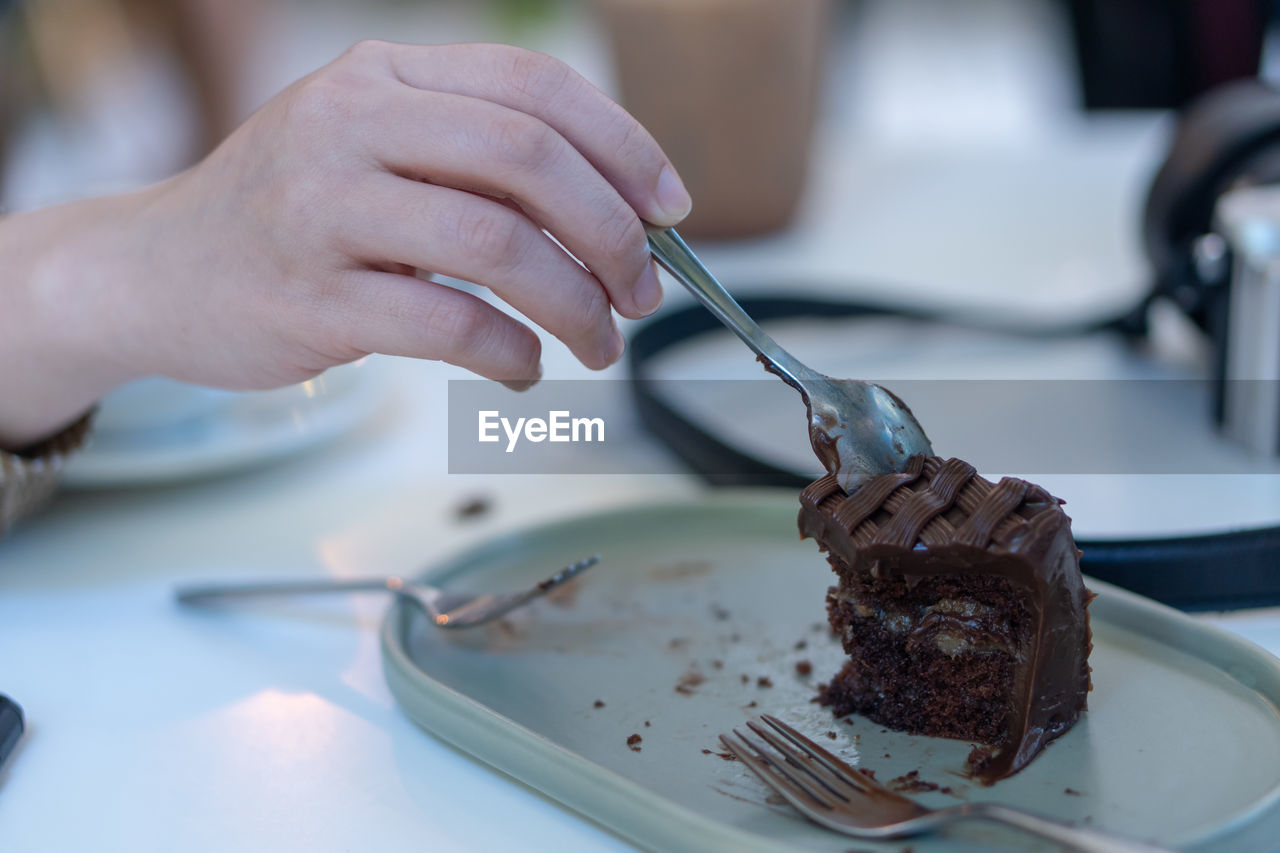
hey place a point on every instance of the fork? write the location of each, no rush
(858, 429)
(829, 792)
(446, 609)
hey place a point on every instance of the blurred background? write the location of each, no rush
(98, 94)
(840, 130)
(103, 93)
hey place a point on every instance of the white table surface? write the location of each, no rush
(270, 728)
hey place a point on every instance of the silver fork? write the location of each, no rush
(856, 428)
(446, 609)
(829, 792)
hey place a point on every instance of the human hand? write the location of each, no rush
(298, 237)
(293, 247)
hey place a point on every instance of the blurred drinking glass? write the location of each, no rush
(729, 88)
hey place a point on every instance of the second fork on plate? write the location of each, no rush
(446, 609)
(830, 793)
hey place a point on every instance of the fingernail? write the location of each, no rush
(648, 290)
(673, 198)
(524, 384)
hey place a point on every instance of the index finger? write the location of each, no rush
(605, 134)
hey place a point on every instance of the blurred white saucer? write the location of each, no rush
(160, 431)
(158, 404)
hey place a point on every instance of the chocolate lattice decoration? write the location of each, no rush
(932, 503)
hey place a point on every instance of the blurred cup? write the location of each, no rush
(729, 89)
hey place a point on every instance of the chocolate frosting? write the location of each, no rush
(940, 517)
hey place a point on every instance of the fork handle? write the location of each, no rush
(209, 593)
(675, 256)
(1071, 837)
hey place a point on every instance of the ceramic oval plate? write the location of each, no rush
(704, 614)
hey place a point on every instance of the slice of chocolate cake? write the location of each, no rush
(960, 605)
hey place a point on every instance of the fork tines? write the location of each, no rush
(568, 572)
(808, 776)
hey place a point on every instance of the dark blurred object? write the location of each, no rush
(13, 82)
(1163, 53)
(1212, 233)
(11, 726)
(729, 89)
(1227, 138)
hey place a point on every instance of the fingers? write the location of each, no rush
(477, 239)
(501, 144)
(547, 89)
(399, 315)
(478, 146)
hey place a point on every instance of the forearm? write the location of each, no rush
(62, 309)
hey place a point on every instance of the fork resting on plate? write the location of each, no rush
(829, 792)
(446, 609)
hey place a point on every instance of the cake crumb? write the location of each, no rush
(753, 703)
(764, 681)
(717, 664)
(866, 771)
(946, 789)
(911, 782)
(831, 735)
(887, 755)
(634, 742)
(689, 681)
(473, 508)
(745, 678)
(803, 667)
(719, 613)
(801, 645)
(1072, 791)
(646, 724)
(675, 644)
(599, 703)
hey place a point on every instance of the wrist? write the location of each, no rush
(68, 325)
